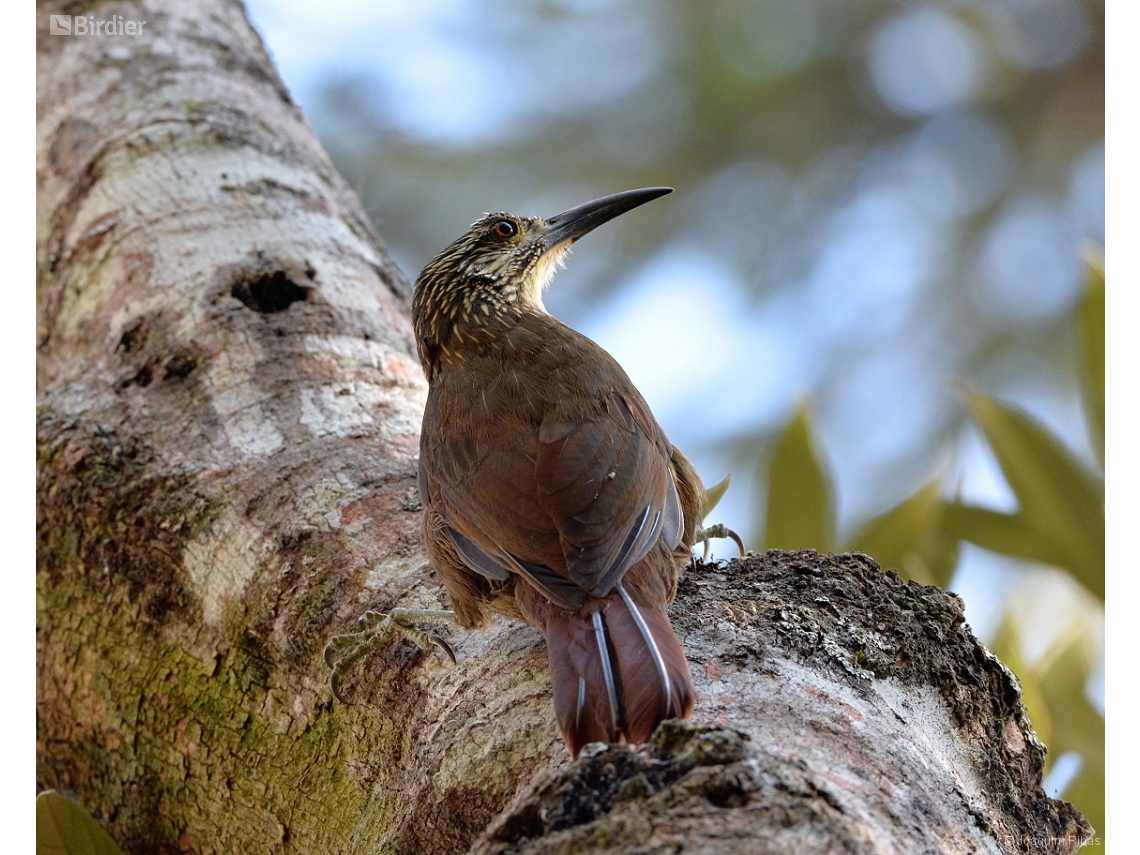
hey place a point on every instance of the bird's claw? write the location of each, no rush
(719, 530)
(375, 627)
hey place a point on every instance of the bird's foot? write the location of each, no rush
(375, 627)
(719, 530)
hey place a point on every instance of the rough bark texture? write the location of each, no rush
(841, 710)
(227, 429)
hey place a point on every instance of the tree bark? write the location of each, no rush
(229, 404)
(841, 710)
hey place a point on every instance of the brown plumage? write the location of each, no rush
(550, 491)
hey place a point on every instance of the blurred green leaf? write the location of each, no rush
(1064, 673)
(1077, 724)
(910, 538)
(1086, 793)
(1053, 690)
(1091, 326)
(998, 532)
(713, 495)
(1061, 515)
(64, 828)
(800, 514)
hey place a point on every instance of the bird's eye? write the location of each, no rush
(504, 229)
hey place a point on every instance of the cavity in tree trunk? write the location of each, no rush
(229, 403)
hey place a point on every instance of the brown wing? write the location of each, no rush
(606, 484)
(570, 506)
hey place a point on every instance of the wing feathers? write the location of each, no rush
(673, 526)
(499, 564)
(558, 589)
(606, 484)
(572, 501)
(476, 558)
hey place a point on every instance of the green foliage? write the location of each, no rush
(1091, 328)
(1053, 690)
(1063, 672)
(1060, 520)
(64, 828)
(1077, 725)
(799, 512)
(713, 495)
(911, 537)
(1060, 516)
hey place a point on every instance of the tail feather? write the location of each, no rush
(605, 657)
(618, 670)
(581, 698)
(650, 644)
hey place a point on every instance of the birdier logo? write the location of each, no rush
(87, 25)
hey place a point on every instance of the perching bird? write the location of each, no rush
(550, 492)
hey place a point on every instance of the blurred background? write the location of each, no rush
(875, 299)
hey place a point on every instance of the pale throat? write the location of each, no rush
(549, 263)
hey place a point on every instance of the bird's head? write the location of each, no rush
(496, 272)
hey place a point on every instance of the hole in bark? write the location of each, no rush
(134, 336)
(179, 366)
(269, 293)
(144, 376)
(725, 791)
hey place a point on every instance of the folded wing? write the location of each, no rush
(570, 508)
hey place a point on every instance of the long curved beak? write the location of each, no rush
(573, 224)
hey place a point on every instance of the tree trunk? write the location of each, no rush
(229, 403)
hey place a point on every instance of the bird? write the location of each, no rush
(551, 494)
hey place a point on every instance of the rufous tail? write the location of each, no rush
(618, 670)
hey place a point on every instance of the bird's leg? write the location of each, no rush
(709, 500)
(375, 628)
(719, 530)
